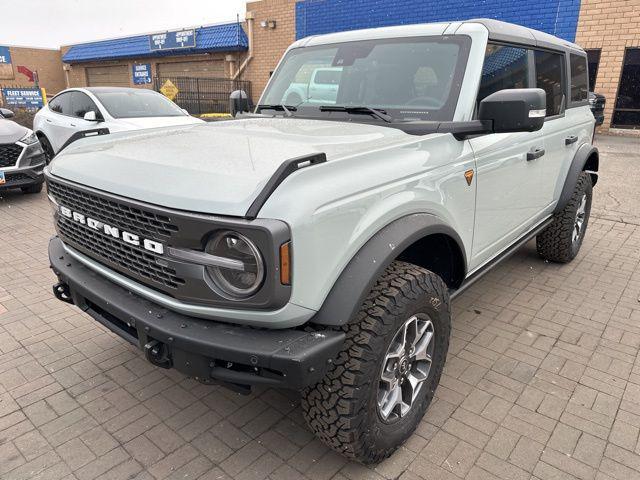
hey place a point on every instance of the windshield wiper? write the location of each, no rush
(376, 112)
(287, 109)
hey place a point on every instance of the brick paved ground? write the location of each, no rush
(542, 381)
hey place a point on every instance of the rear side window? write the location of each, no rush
(579, 78)
(81, 104)
(549, 73)
(61, 104)
(504, 67)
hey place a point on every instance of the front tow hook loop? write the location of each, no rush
(62, 292)
(158, 354)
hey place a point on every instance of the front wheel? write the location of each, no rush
(385, 377)
(561, 241)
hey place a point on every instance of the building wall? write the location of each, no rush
(612, 26)
(77, 76)
(47, 62)
(268, 43)
(558, 17)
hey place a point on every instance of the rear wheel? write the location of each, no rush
(384, 379)
(561, 241)
(47, 148)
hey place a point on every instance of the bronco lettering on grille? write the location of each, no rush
(126, 237)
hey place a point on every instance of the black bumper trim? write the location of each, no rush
(34, 176)
(203, 349)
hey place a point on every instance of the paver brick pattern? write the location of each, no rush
(542, 379)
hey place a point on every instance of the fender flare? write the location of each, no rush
(577, 166)
(358, 277)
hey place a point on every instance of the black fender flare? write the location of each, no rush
(358, 277)
(93, 132)
(577, 166)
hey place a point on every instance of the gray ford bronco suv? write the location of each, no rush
(318, 245)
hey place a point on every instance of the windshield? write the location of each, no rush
(409, 78)
(138, 104)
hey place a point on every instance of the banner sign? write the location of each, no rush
(5, 55)
(29, 98)
(142, 74)
(173, 40)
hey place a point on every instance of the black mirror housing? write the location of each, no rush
(6, 113)
(514, 110)
(239, 102)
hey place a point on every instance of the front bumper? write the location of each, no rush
(211, 352)
(23, 177)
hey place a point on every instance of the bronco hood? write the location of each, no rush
(217, 168)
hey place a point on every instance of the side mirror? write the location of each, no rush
(90, 116)
(515, 110)
(239, 102)
(6, 113)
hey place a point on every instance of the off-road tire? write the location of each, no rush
(555, 243)
(35, 188)
(342, 409)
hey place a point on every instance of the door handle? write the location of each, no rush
(72, 124)
(48, 120)
(571, 139)
(535, 153)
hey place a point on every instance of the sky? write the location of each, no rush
(52, 23)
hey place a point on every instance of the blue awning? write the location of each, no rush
(216, 38)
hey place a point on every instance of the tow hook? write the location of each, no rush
(158, 353)
(62, 292)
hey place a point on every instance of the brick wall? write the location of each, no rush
(558, 17)
(269, 43)
(612, 26)
(77, 76)
(47, 62)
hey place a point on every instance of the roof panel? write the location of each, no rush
(227, 37)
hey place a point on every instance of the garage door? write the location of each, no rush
(111, 76)
(203, 69)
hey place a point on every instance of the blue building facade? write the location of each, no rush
(557, 17)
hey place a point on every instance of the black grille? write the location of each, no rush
(126, 258)
(9, 153)
(15, 178)
(134, 220)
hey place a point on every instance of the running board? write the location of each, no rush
(513, 248)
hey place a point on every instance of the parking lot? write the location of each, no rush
(542, 380)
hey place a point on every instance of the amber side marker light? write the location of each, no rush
(285, 263)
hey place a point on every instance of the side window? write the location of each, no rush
(549, 78)
(81, 104)
(579, 78)
(61, 104)
(504, 67)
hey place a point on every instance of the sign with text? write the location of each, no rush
(28, 98)
(6, 70)
(169, 90)
(173, 40)
(142, 74)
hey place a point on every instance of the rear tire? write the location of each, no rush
(48, 150)
(350, 409)
(35, 188)
(561, 241)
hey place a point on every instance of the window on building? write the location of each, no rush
(593, 58)
(579, 80)
(61, 104)
(504, 68)
(549, 73)
(626, 113)
(81, 104)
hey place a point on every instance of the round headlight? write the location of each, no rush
(240, 282)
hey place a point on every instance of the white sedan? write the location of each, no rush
(79, 112)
